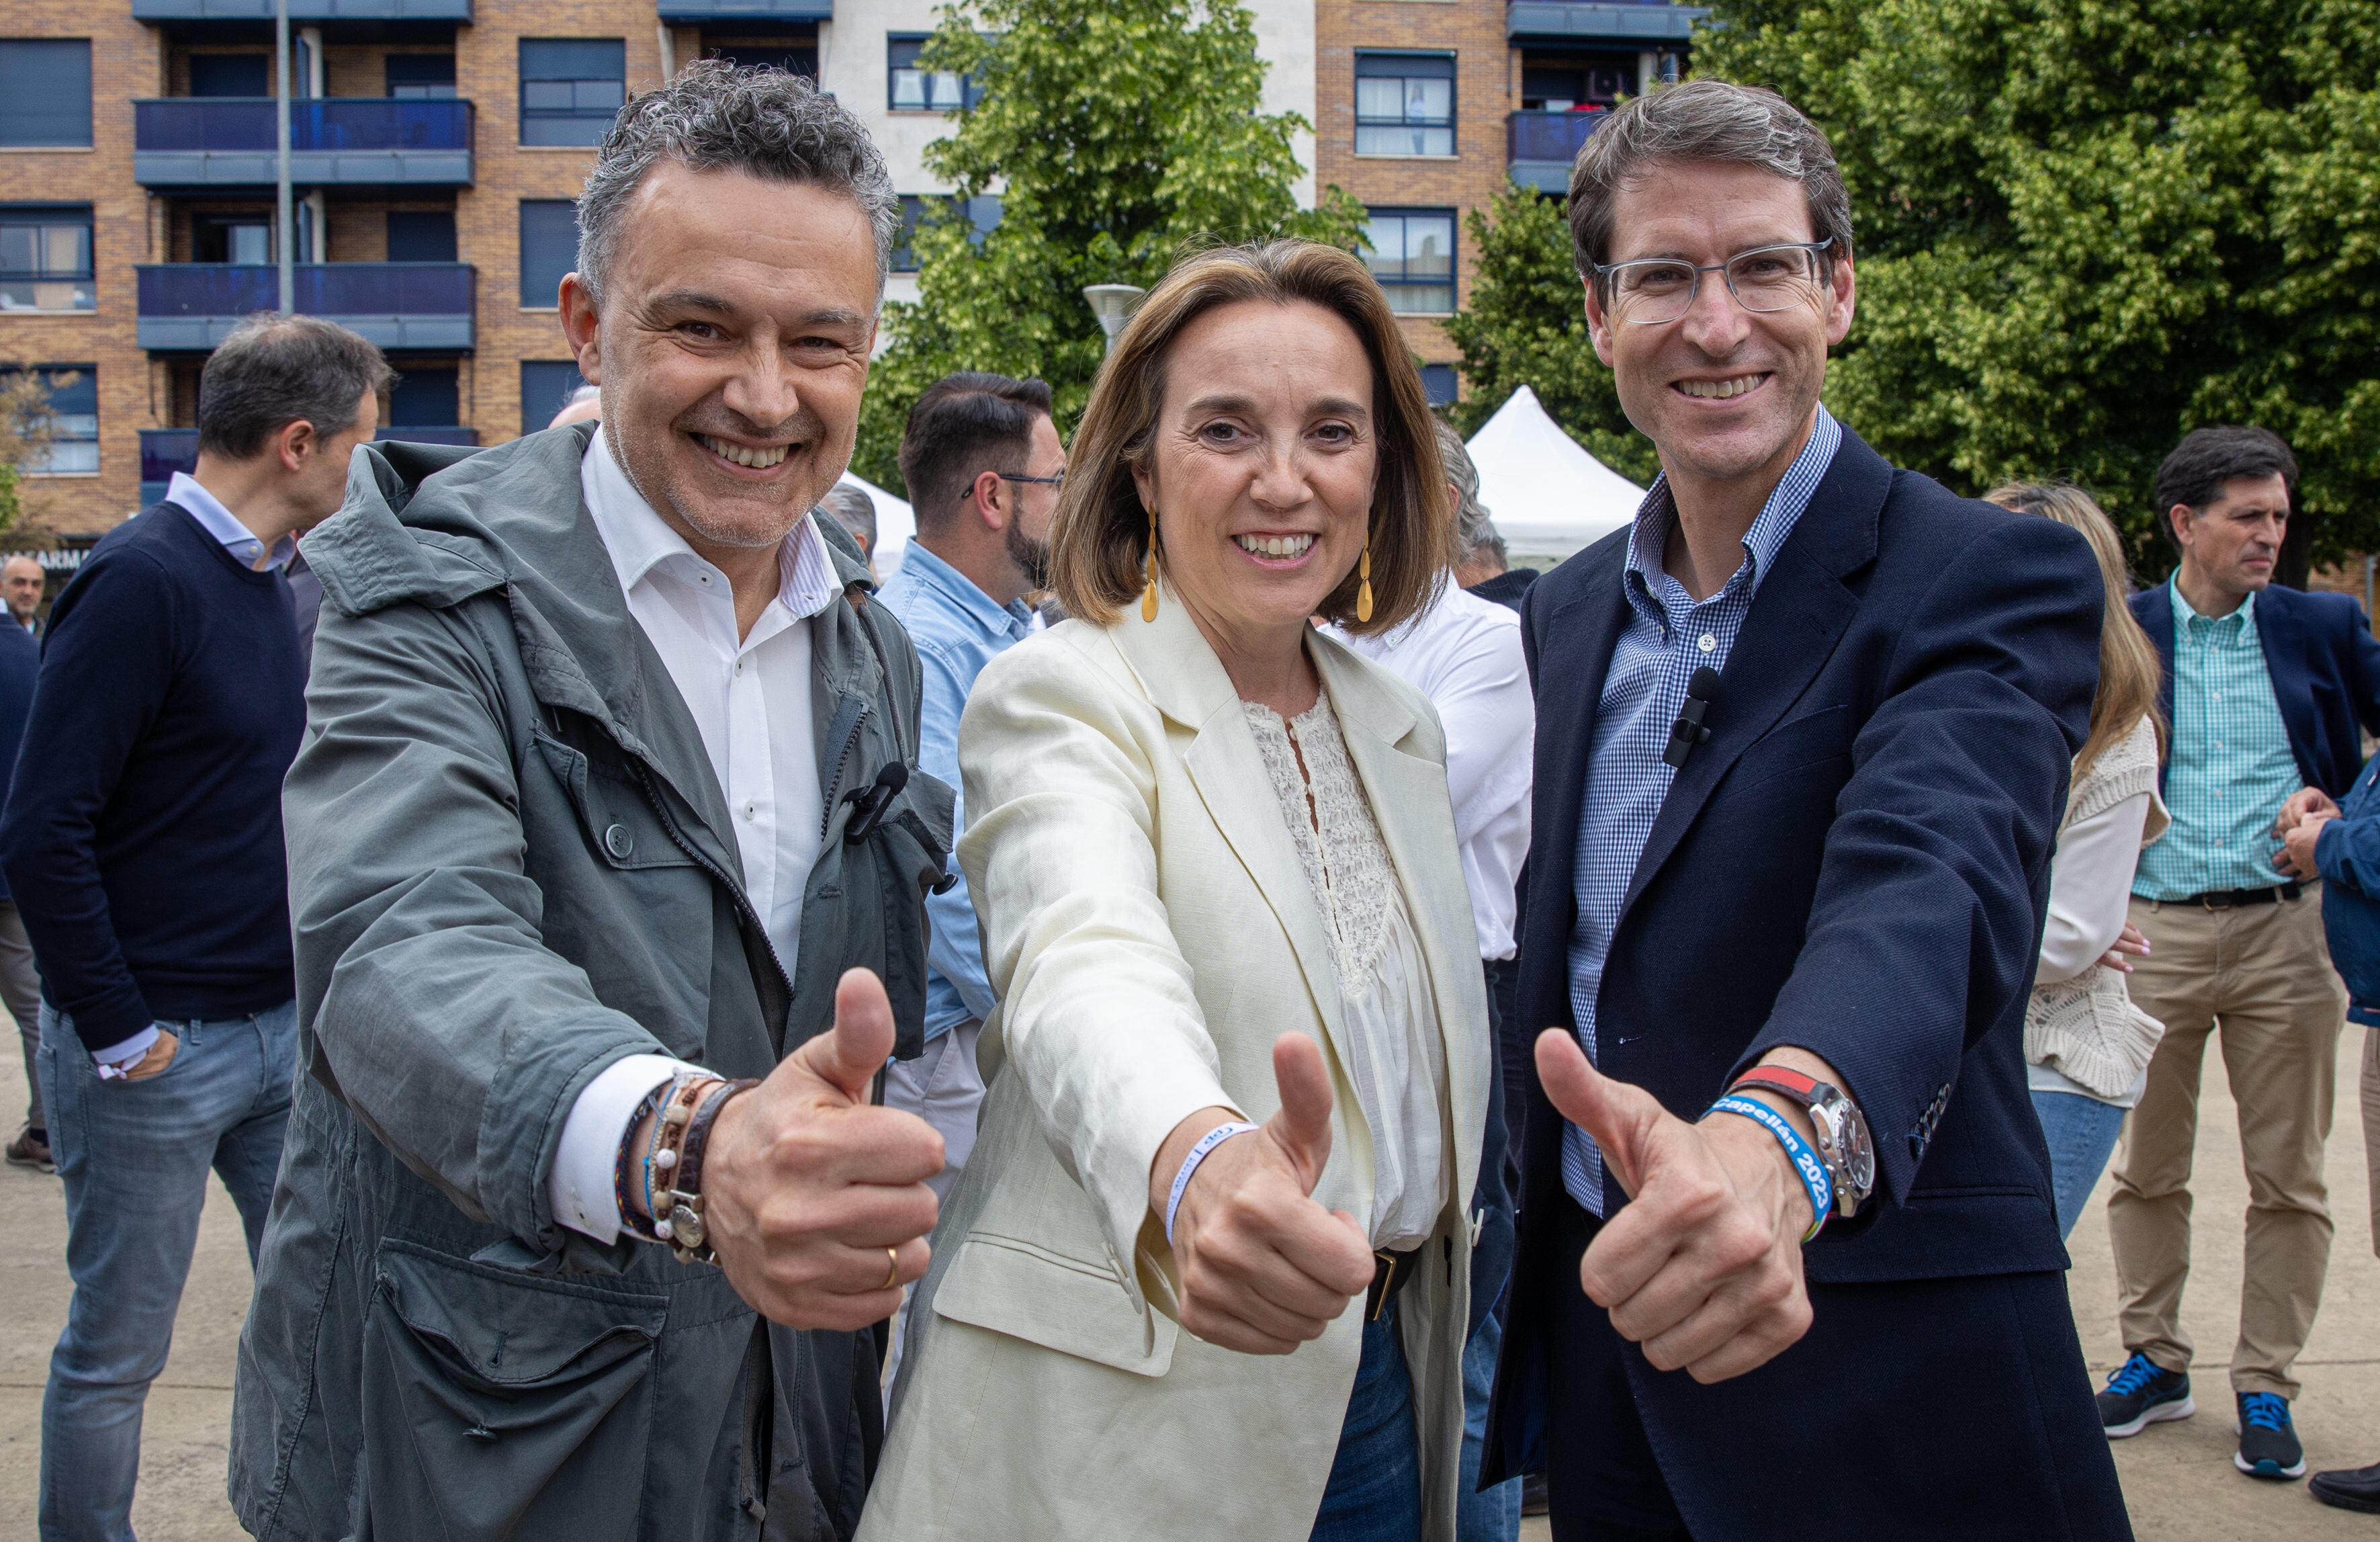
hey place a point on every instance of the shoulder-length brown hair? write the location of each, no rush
(2128, 661)
(1098, 540)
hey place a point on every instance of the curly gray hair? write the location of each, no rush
(713, 116)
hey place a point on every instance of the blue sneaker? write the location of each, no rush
(2140, 1394)
(2268, 1442)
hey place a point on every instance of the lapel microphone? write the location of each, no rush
(871, 801)
(1688, 733)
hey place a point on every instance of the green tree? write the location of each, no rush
(2087, 227)
(1526, 325)
(25, 423)
(1118, 134)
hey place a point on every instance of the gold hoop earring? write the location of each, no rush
(1364, 591)
(1148, 592)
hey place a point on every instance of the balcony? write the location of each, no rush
(1643, 24)
(167, 451)
(228, 141)
(302, 10)
(1541, 146)
(685, 12)
(191, 307)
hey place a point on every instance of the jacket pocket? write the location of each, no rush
(1010, 1286)
(1816, 739)
(496, 1405)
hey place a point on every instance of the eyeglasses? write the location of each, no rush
(1058, 480)
(1651, 291)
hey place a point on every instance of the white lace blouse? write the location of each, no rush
(1398, 1065)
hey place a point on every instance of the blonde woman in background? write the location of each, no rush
(2086, 1046)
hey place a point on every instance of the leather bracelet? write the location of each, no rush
(688, 1236)
(669, 1127)
(1805, 1162)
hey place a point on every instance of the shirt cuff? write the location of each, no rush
(580, 1190)
(124, 1052)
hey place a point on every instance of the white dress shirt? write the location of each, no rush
(243, 544)
(750, 698)
(1464, 654)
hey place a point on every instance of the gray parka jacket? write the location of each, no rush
(511, 864)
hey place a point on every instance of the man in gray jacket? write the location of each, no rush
(607, 800)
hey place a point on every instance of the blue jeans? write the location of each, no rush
(1373, 1494)
(135, 1157)
(2082, 1134)
(1495, 1515)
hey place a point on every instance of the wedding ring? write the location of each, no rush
(891, 1269)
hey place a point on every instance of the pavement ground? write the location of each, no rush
(2177, 1478)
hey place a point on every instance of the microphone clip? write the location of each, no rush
(1689, 733)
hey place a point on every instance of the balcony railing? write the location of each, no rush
(1631, 21)
(302, 10)
(202, 141)
(167, 451)
(1541, 147)
(746, 10)
(191, 307)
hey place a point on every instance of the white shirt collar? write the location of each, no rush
(639, 540)
(222, 524)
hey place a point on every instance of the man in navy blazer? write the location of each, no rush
(20, 982)
(2268, 691)
(1803, 739)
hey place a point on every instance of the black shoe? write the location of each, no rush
(2140, 1394)
(2348, 1488)
(31, 1148)
(2268, 1444)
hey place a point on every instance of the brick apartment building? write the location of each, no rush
(436, 146)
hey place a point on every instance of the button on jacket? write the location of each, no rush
(513, 867)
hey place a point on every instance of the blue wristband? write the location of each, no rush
(1805, 1162)
(1198, 1153)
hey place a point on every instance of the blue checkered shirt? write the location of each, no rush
(1669, 637)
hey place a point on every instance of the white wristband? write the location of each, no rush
(1198, 1153)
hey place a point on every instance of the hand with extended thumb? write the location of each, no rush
(1262, 1268)
(816, 1200)
(1703, 1267)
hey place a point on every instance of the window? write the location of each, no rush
(421, 75)
(232, 75)
(1571, 83)
(546, 384)
(45, 258)
(73, 450)
(1438, 381)
(422, 234)
(1404, 104)
(570, 88)
(923, 91)
(426, 396)
(983, 218)
(243, 237)
(549, 248)
(1413, 256)
(44, 92)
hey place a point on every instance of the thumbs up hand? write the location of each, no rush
(1262, 1268)
(1703, 1267)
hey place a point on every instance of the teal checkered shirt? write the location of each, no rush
(2232, 768)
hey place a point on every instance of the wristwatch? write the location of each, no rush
(1842, 1129)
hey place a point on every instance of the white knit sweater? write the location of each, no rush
(2087, 1028)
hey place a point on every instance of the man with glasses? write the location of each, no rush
(1789, 1259)
(983, 463)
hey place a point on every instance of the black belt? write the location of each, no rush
(1390, 1273)
(2231, 899)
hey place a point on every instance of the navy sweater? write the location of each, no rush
(142, 842)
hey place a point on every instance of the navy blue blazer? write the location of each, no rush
(1857, 863)
(21, 662)
(2325, 667)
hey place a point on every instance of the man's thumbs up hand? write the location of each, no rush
(1262, 1268)
(1703, 1267)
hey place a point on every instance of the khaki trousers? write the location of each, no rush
(2261, 975)
(2369, 1092)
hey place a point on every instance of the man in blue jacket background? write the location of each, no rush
(21, 983)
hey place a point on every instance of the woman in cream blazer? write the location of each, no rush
(1153, 923)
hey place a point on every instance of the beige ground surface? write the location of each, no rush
(2178, 1476)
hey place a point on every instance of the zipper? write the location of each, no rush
(735, 887)
(828, 804)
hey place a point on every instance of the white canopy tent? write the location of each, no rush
(895, 524)
(1547, 497)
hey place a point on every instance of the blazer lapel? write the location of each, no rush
(1580, 633)
(1801, 611)
(2281, 634)
(1185, 682)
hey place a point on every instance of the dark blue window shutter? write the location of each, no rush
(44, 91)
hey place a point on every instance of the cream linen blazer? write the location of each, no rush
(1150, 932)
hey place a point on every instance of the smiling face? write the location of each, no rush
(1261, 468)
(731, 346)
(1723, 393)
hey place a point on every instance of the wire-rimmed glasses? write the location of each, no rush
(1059, 480)
(1651, 291)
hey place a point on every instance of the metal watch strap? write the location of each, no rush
(1847, 1152)
(689, 1238)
